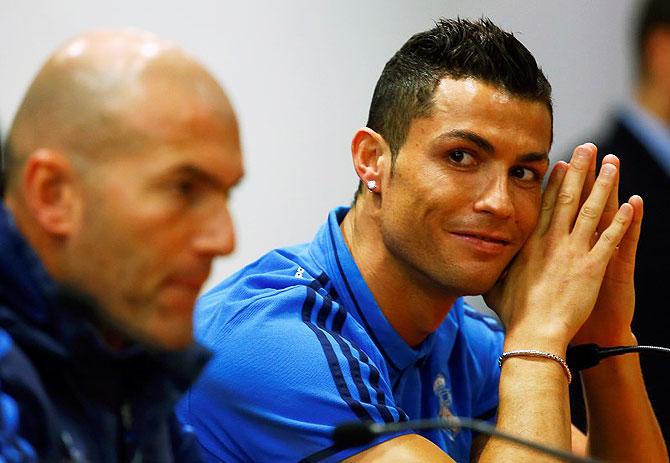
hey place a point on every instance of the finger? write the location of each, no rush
(549, 196)
(592, 210)
(628, 245)
(590, 179)
(567, 201)
(612, 205)
(611, 237)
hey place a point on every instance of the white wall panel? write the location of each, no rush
(301, 73)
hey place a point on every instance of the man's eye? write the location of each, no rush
(461, 158)
(185, 188)
(524, 173)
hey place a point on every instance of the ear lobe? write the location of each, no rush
(369, 152)
(48, 184)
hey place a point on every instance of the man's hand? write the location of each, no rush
(552, 285)
(609, 323)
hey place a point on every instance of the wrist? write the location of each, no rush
(604, 339)
(536, 354)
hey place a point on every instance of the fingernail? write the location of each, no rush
(582, 153)
(608, 170)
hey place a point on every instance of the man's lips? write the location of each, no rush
(484, 243)
(193, 283)
(489, 237)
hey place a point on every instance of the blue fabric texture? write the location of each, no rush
(300, 346)
(78, 400)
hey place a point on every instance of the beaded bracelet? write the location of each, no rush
(536, 353)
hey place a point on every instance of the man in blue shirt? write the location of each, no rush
(367, 323)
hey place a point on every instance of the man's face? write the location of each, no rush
(153, 220)
(466, 188)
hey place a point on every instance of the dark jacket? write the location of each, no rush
(642, 175)
(78, 400)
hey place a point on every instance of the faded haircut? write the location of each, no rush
(458, 49)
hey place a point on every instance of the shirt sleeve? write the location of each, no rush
(282, 377)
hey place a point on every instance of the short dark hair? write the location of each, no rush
(653, 14)
(455, 48)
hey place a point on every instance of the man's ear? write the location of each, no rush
(371, 155)
(50, 191)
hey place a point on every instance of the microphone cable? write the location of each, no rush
(359, 433)
(578, 357)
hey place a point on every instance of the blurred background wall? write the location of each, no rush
(301, 74)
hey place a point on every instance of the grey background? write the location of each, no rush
(301, 74)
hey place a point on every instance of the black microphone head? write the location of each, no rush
(353, 434)
(582, 356)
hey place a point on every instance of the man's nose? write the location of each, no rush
(217, 235)
(495, 196)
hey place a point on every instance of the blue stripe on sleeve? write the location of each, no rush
(354, 363)
(331, 357)
(354, 366)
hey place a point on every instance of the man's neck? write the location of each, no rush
(413, 305)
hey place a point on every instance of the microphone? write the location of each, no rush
(583, 356)
(359, 433)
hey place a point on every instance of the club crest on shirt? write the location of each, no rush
(444, 397)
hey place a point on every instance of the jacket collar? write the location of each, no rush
(45, 320)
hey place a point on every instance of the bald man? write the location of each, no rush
(120, 160)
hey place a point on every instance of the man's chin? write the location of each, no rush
(178, 299)
(171, 336)
(478, 285)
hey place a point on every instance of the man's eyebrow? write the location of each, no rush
(534, 157)
(470, 136)
(485, 145)
(205, 176)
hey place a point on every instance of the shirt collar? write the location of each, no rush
(24, 282)
(357, 298)
(651, 131)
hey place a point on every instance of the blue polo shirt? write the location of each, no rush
(300, 345)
